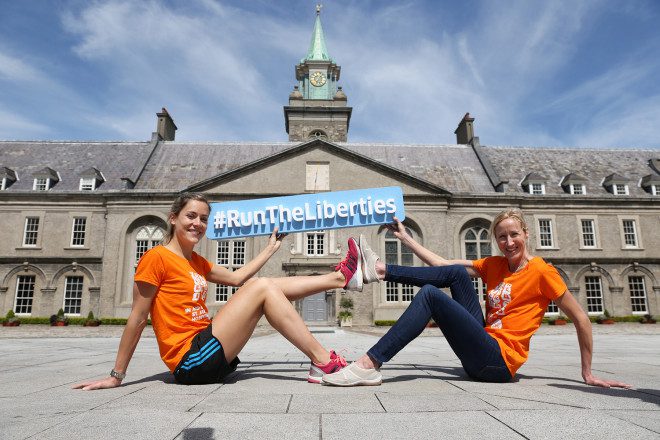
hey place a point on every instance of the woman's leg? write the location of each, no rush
(235, 322)
(478, 351)
(295, 288)
(455, 277)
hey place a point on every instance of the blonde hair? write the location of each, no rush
(513, 213)
(178, 204)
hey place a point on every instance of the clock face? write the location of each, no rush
(317, 79)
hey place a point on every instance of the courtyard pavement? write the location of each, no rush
(425, 393)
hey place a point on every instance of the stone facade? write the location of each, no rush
(78, 215)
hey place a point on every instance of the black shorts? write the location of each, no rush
(205, 362)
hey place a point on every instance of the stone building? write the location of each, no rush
(78, 215)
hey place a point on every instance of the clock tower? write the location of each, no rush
(317, 106)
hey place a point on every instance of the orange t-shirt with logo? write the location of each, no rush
(517, 302)
(178, 311)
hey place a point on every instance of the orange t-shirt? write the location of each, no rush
(178, 311)
(517, 302)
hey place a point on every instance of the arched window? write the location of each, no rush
(399, 254)
(476, 245)
(146, 237)
(318, 134)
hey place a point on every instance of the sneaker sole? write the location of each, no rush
(358, 275)
(366, 279)
(361, 383)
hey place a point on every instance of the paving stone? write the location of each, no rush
(425, 393)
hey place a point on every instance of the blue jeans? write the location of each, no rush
(459, 318)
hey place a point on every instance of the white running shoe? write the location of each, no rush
(353, 375)
(368, 260)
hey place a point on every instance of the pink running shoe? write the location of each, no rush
(316, 371)
(351, 268)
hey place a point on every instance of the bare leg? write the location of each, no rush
(235, 322)
(299, 287)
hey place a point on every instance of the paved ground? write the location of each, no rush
(425, 393)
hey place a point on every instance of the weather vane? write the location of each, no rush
(318, 8)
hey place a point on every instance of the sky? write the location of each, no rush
(560, 73)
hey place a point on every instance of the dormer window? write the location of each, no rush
(616, 184)
(45, 179)
(651, 184)
(537, 188)
(533, 183)
(7, 178)
(574, 184)
(90, 180)
(577, 189)
(620, 189)
(41, 184)
(87, 184)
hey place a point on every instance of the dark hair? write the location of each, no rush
(178, 204)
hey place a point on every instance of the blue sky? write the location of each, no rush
(532, 73)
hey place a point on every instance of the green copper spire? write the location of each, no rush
(317, 50)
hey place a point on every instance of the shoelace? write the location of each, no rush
(338, 358)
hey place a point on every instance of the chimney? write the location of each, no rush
(465, 131)
(165, 127)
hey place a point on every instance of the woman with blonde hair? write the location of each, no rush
(520, 287)
(171, 285)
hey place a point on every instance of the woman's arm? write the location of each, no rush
(572, 309)
(143, 295)
(428, 257)
(222, 275)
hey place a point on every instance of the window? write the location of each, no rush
(637, 294)
(400, 254)
(146, 238)
(31, 232)
(545, 233)
(315, 243)
(24, 294)
(87, 184)
(78, 231)
(629, 233)
(317, 176)
(594, 292)
(477, 245)
(552, 309)
(73, 290)
(230, 254)
(588, 233)
(655, 190)
(620, 189)
(3, 184)
(41, 184)
(577, 188)
(536, 188)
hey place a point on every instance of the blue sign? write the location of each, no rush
(306, 212)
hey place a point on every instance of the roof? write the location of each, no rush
(514, 163)
(72, 160)
(174, 166)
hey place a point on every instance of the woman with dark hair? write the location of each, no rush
(520, 287)
(171, 285)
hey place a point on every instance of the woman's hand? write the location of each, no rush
(275, 240)
(398, 229)
(108, 382)
(594, 381)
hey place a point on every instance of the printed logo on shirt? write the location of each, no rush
(498, 299)
(201, 287)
